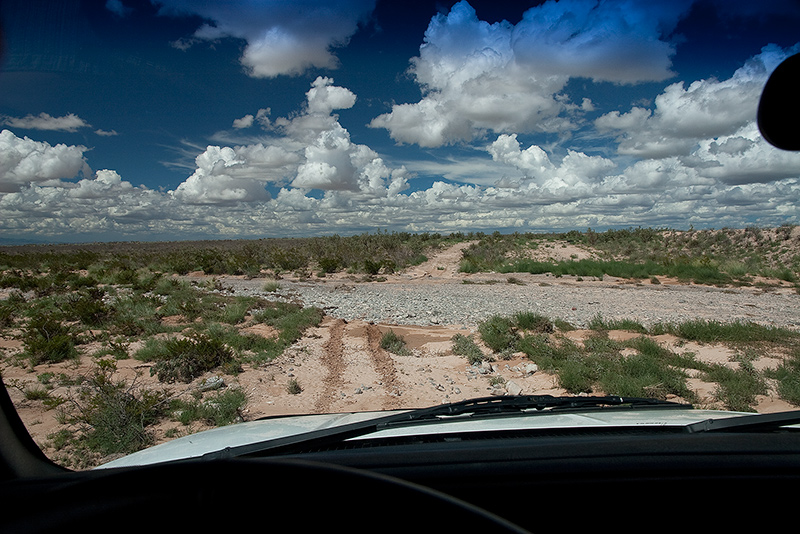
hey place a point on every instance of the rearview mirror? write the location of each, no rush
(779, 108)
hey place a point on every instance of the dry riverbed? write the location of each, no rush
(340, 366)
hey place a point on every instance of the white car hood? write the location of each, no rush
(217, 439)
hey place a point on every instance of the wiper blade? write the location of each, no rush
(747, 423)
(532, 402)
(466, 408)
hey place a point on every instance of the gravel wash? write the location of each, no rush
(453, 302)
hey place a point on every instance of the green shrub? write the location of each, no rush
(183, 299)
(465, 346)
(135, 315)
(46, 339)
(498, 333)
(711, 331)
(88, 306)
(787, 375)
(115, 415)
(184, 359)
(222, 409)
(598, 323)
(372, 267)
(576, 376)
(291, 320)
(737, 388)
(533, 322)
(235, 311)
(8, 313)
(293, 387)
(394, 343)
(329, 264)
(287, 259)
(539, 349)
(271, 287)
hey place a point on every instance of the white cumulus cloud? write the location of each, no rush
(44, 121)
(479, 77)
(244, 122)
(283, 38)
(227, 175)
(24, 161)
(311, 150)
(706, 109)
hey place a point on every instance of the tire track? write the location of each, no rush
(384, 365)
(333, 360)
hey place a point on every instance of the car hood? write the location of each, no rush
(264, 430)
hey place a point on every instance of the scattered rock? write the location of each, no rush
(513, 388)
(530, 369)
(211, 383)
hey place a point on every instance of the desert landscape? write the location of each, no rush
(341, 361)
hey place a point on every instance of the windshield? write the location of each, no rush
(212, 213)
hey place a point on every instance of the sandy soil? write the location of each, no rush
(341, 367)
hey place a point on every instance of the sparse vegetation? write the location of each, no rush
(293, 387)
(787, 375)
(220, 409)
(598, 363)
(714, 257)
(394, 343)
(143, 264)
(466, 346)
(72, 304)
(184, 359)
(47, 339)
(65, 298)
(113, 416)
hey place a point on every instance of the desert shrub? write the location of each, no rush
(271, 287)
(644, 375)
(576, 368)
(249, 347)
(291, 320)
(466, 346)
(737, 388)
(184, 359)
(372, 267)
(538, 348)
(22, 281)
(221, 409)
(134, 315)
(182, 299)
(287, 259)
(235, 310)
(787, 375)
(8, 313)
(329, 264)
(599, 323)
(498, 333)
(46, 339)
(293, 387)
(711, 331)
(598, 364)
(394, 343)
(88, 306)
(533, 322)
(577, 376)
(114, 415)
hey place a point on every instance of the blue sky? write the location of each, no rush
(178, 119)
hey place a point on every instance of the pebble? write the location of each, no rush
(469, 304)
(453, 303)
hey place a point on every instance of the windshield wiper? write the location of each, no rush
(747, 423)
(466, 408)
(528, 403)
